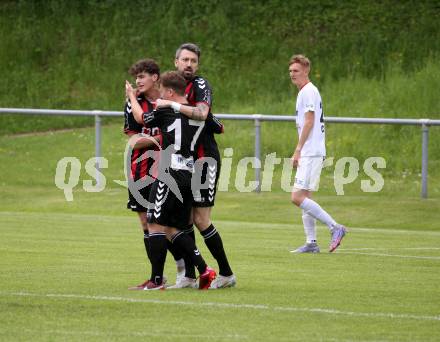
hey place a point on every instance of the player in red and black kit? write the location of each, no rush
(171, 193)
(143, 166)
(199, 96)
(147, 74)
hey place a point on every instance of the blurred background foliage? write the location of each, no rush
(369, 59)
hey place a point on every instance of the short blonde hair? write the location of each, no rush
(300, 59)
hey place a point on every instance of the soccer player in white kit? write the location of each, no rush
(309, 156)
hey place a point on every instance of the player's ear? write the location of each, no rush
(307, 70)
(155, 77)
(175, 62)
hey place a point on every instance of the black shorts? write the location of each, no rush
(167, 209)
(138, 205)
(204, 184)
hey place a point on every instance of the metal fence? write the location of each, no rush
(257, 119)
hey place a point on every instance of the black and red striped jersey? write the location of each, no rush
(197, 91)
(141, 166)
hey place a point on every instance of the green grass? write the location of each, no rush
(69, 270)
(399, 95)
(369, 59)
(61, 54)
(66, 266)
(40, 153)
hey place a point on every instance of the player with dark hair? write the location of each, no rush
(171, 192)
(199, 96)
(147, 73)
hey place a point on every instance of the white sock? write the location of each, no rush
(314, 209)
(309, 227)
(180, 263)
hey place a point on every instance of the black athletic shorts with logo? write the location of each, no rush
(134, 204)
(167, 209)
(204, 195)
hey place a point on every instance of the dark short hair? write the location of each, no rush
(175, 81)
(190, 47)
(144, 65)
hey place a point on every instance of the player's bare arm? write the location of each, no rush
(161, 103)
(308, 125)
(200, 112)
(131, 94)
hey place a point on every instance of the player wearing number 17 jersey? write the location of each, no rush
(309, 156)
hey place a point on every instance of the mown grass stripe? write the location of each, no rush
(112, 218)
(389, 315)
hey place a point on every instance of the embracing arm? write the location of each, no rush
(199, 112)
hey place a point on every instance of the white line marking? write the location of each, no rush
(392, 255)
(351, 228)
(229, 305)
(393, 231)
(390, 248)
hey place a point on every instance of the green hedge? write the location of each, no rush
(375, 58)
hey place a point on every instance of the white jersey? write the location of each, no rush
(309, 100)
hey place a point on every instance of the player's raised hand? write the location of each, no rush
(129, 90)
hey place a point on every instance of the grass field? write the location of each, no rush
(65, 274)
(65, 266)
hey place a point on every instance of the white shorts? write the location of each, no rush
(308, 173)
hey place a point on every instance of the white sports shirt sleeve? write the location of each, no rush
(309, 100)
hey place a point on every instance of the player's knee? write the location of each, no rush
(156, 228)
(201, 220)
(296, 197)
(201, 223)
(170, 232)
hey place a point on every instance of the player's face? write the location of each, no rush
(187, 64)
(145, 81)
(299, 75)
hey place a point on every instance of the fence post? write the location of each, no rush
(258, 151)
(97, 145)
(425, 139)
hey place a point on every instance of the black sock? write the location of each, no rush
(186, 244)
(215, 245)
(147, 244)
(175, 252)
(190, 270)
(190, 232)
(158, 252)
